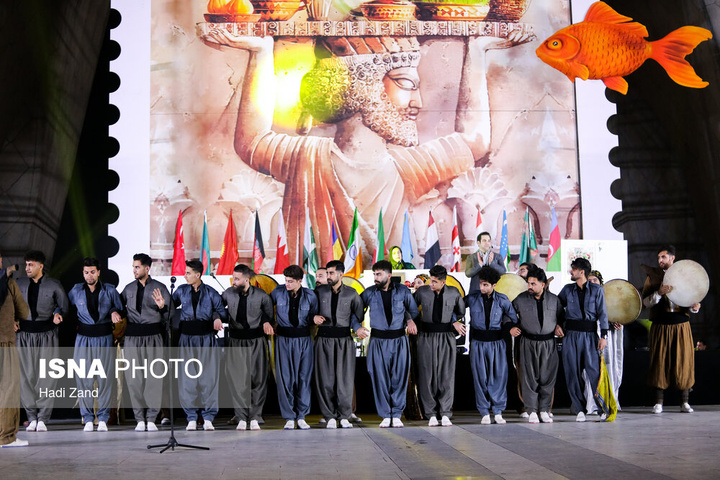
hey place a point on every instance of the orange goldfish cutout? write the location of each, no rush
(606, 47)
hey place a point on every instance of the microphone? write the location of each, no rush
(218, 281)
(173, 280)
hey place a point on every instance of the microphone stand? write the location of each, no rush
(172, 442)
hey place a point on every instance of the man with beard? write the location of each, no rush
(250, 313)
(98, 306)
(585, 309)
(369, 87)
(540, 315)
(144, 339)
(339, 309)
(442, 311)
(38, 337)
(201, 316)
(296, 309)
(388, 357)
(672, 356)
(321, 277)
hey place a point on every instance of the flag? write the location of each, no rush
(478, 224)
(432, 244)
(455, 243)
(406, 245)
(353, 256)
(528, 246)
(604, 393)
(310, 256)
(554, 248)
(504, 248)
(258, 249)
(229, 253)
(336, 252)
(205, 248)
(178, 261)
(380, 252)
(282, 258)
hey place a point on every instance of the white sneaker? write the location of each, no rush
(354, 418)
(385, 423)
(242, 425)
(485, 420)
(140, 427)
(499, 419)
(685, 408)
(289, 425)
(533, 418)
(345, 423)
(208, 426)
(191, 426)
(322, 420)
(32, 426)
(254, 425)
(302, 424)
(445, 421)
(603, 417)
(41, 427)
(580, 417)
(657, 408)
(88, 427)
(331, 424)
(165, 421)
(545, 417)
(397, 423)
(151, 427)
(433, 422)
(525, 415)
(102, 427)
(16, 443)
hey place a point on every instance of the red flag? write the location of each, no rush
(178, 263)
(478, 225)
(229, 253)
(282, 259)
(455, 243)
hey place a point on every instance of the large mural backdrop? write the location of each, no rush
(320, 118)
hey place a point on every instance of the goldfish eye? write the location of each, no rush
(555, 44)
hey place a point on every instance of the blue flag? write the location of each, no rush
(504, 250)
(406, 245)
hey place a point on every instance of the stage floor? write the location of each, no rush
(638, 445)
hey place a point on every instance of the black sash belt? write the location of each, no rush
(97, 330)
(246, 334)
(580, 326)
(428, 327)
(485, 335)
(196, 327)
(539, 338)
(37, 326)
(387, 334)
(333, 332)
(143, 329)
(293, 332)
(671, 318)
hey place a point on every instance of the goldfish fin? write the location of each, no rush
(577, 70)
(616, 83)
(670, 53)
(601, 12)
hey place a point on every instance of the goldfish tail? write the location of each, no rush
(670, 53)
